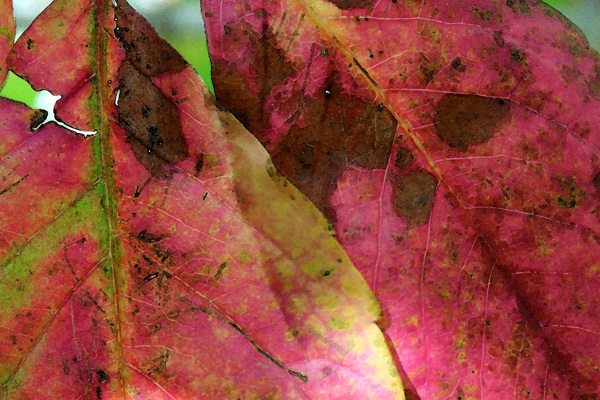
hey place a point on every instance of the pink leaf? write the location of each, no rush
(162, 256)
(7, 35)
(454, 146)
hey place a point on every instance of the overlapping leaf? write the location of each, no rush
(455, 148)
(164, 256)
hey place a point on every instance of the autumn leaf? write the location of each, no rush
(161, 255)
(454, 146)
(7, 35)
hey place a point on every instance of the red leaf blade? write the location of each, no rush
(163, 257)
(480, 234)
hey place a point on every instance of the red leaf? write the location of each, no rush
(7, 35)
(164, 256)
(454, 146)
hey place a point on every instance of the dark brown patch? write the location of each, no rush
(413, 195)
(146, 237)
(498, 38)
(571, 195)
(352, 4)
(517, 55)
(102, 376)
(30, 44)
(144, 48)
(458, 65)
(37, 118)
(13, 185)
(596, 181)
(428, 69)
(199, 163)
(403, 158)
(484, 15)
(219, 272)
(151, 121)
(341, 130)
(270, 70)
(151, 276)
(519, 6)
(465, 120)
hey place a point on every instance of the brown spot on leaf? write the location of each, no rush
(484, 15)
(37, 118)
(199, 163)
(219, 272)
(571, 195)
(519, 6)
(151, 121)
(102, 376)
(518, 55)
(413, 195)
(596, 181)
(428, 69)
(144, 48)
(146, 237)
(230, 85)
(458, 65)
(465, 120)
(352, 4)
(341, 130)
(498, 38)
(403, 158)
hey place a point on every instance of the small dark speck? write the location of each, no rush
(327, 93)
(150, 277)
(380, 107)
(102, 376)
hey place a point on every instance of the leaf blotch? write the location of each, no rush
(352, 4)
(519, 6)
(37, 119)
(341, 130)
(517, 55)
(144, 48)
(465, 120)
(151, 121)
(146, 237)
(102, 376)
(199, 164)
(458, 65)
(231, 88)
(404, 158)
(413, 194)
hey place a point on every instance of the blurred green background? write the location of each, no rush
(180, 23)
